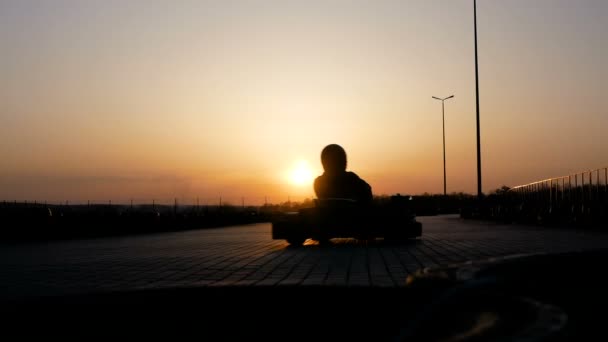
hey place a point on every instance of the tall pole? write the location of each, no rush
(479, 193)
(443, 120)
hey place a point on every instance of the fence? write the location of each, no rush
(193, 202)
(90, 218)
(580, 197)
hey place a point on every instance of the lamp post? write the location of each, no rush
(443, 119)
(479, 193)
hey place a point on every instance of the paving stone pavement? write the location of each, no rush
(247, 256)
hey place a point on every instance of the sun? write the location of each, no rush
(301, 174)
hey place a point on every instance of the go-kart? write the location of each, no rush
(392, 219)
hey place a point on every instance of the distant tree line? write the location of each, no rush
(29, 221)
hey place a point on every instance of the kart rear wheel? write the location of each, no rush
(295, 241)
(324, 242)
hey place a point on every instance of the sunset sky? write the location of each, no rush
(113, 100)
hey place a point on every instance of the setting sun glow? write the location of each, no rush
(301, 174)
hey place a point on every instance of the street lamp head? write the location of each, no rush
(449, 97)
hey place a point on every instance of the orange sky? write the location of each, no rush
(104, 100)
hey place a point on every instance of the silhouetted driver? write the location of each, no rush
(336, 182)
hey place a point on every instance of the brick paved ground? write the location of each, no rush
(246, 255)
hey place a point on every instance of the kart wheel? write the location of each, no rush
(324, 242)
(397, 238)
(295, 241)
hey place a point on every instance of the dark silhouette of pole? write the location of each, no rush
(443, 120)
(479, 193)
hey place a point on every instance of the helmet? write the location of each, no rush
(333, 158)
